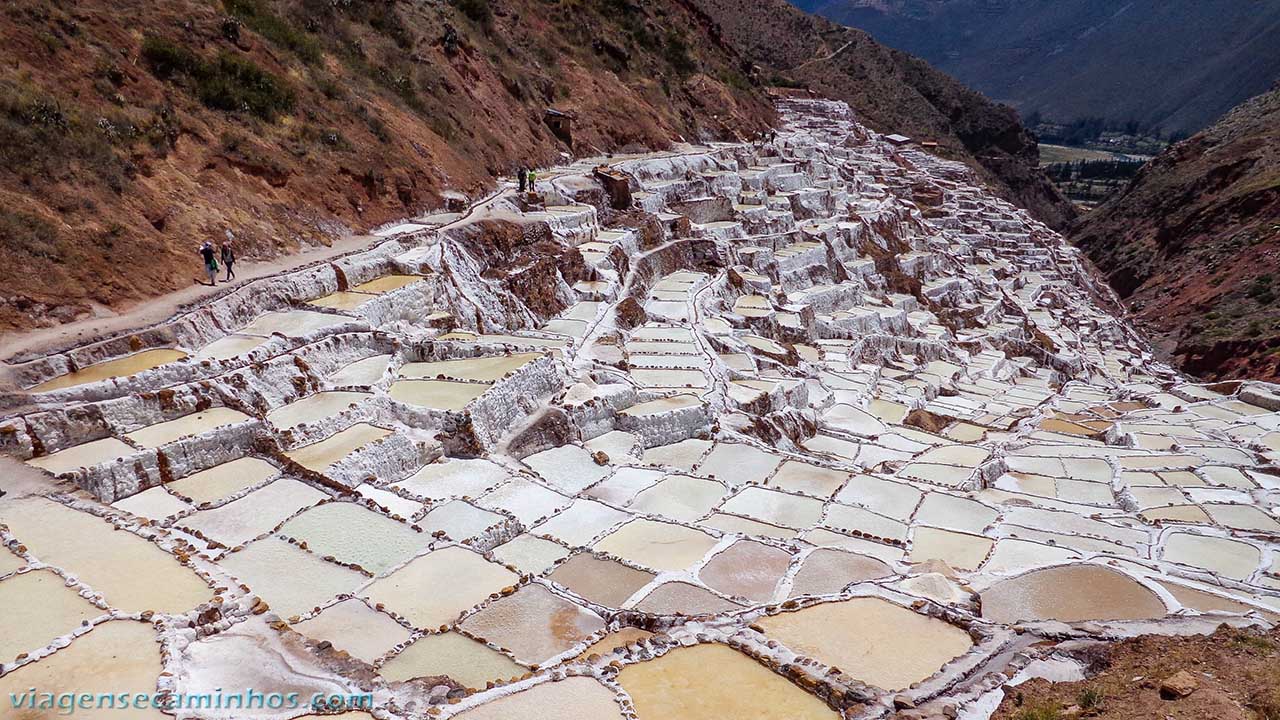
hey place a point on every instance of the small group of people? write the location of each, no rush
(211, 256)
(526, 178)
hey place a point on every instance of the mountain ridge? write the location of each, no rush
(1173, 67)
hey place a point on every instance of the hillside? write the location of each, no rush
(1175, 66)
(1193, 245)
(287, 123)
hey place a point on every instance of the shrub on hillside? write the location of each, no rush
(228, 83)
(477, 10)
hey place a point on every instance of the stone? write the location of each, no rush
(1178, 685)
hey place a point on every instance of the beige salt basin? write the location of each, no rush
(386, 284)
(228, 347)
(357, 628)
(342, 300)
(465, 661)
(1070, 593)
(669, 378)
(84, 455)
(119, 367)
(290, 580)
(463, 579)
(437, 394)
(361, 372)
(661, 405)
(715, 682)
(254, 514)
(319, 456)
(314, 407)
(117, 657)
(110, 561)
(222, 480)
(661, 546)
(160, 434)
(39, 607)
(870, 639)
(293, 322)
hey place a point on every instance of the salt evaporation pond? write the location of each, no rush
(708, 465)
(119, 367)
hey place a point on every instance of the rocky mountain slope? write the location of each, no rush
(1173, 65)
(1193, 245)
(285, 123)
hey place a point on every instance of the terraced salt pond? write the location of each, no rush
(1070, 593)
(463, 660)
(721, 469)
(873, 640)
(117, 368)
(437, 394)
(678, 685)
(321, 455)
(108, 560)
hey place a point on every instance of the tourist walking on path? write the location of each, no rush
(523, 174)
(210, 262)
(533, 177)
(228, 259)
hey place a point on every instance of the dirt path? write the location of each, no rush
(823, 58)
(155, 310)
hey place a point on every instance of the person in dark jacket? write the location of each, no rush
(228, 259)
(210, 262)
(522, 174)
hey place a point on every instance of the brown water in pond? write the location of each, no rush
(604, 582)
(120, 367)
(1070, 593)
(534, 624)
